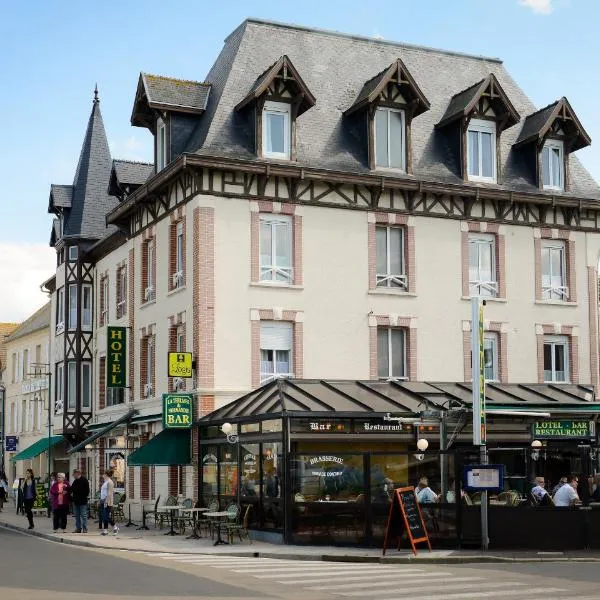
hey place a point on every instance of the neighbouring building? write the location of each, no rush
(321, 206)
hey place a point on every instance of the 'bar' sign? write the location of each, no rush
(116, 375)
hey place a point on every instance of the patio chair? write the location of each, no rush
(153, 511)
(233, 513)
(185, 519)
(164, 516)
(118, 508)
(241, 529)
(206, 523)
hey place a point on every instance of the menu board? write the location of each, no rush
(405, 515)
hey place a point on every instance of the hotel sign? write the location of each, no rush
(177, 411)
(180, 364)
(116, 374)
(553, 430)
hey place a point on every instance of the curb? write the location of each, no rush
(384, 560)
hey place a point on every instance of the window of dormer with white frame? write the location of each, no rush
(276, 122)
(481, 150)
(161, 145)
(390, 139)
(553, 169)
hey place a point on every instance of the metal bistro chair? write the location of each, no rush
(185, 518)
(233, 513)
(206, 523)
(163, 516)
(241, 529)
(153, 511)
(118, 508)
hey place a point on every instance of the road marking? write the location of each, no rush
(297, 573)
(324, 567)
(426, 578)
(358, 578)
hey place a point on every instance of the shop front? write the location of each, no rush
(318, 460)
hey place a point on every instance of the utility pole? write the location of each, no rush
(48, 374)
(3, 438)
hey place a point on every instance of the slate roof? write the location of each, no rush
(335, 67)
(168, 91)
(61, 196)
(90, 200)
(38, 320)
(130, 172)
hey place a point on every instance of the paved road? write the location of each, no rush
(37, 569)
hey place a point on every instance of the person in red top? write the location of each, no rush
(60, 498)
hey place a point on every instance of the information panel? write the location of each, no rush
(479, 478)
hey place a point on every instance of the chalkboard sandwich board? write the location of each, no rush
(405, 515)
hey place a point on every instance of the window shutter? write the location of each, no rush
(275, 336)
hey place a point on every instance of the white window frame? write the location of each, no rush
(481, 126)
(71, 385)
(389, 279)
(554, 341)
(25, 363)
(72, 306)
(59, 403)
(179, 250)
(492, 339)
(551, 145)
(106, 303)
(73, 253)
(266, 376)
(149, 292)
(550, 291)
(479, 287)
(161, 145)
(86, 306)
(269, 272)
(122, 287)
(60, 310)
(387, 110)
(280, 108)
(86, 395)
(389, 332)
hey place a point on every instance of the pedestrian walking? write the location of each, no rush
(28, 494)
(59, 497)
(107, 493)
(3, 490)
(80, 491)
(50, 484)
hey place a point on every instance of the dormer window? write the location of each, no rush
(389, 138)
(276, 130)
(279, 96)
(553, 165)
(161, 145)
(388, 102)
(481, 150)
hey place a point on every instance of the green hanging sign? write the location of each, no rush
(177, 411)
(116, 365)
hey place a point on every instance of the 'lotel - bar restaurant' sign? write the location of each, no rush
(564, 429)
(177, 411)
(116, 374)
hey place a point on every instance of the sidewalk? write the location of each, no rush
(155, 540)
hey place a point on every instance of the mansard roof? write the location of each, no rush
(285, 70)
(538, 124)
(463, 103)
(85, 216)
(374, 86)
(155, 92)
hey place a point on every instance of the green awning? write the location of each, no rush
(36, 449)
(100, 432)
(169, 447)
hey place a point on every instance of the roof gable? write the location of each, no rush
(538, 124)
(274, 79)
(127, 175)
(61, 197)
(396, 73)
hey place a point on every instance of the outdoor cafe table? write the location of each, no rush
(171, 510)
(194, 512)
(221, 515)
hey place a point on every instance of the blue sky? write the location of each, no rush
(53, 53)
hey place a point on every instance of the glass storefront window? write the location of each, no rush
(209, 474)
(272, 426)
(272, 507)
(250, 427)
(250, 471)
(228, 473)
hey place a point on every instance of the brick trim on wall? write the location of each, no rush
(592, 274)
(489, 326)
(407, 323)
(287, 316)
(267, 207)
(497, 231)
(392, 219)
(569, 331)
(549, 234)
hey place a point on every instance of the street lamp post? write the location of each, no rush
(47, 373)
(232, 438)
(3, 434)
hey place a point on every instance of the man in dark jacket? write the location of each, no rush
(80, 491)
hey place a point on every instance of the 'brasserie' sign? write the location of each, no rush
(563, 429)
(115, 357)
(177, 411)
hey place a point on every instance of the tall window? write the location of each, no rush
(554, 280)
(161, 145)
(71, 385)
(276, 248)
(481, 150)
(390, 258)
(482, 265)
(14, 367)
(276, 130)
(60, 390)
(86, 301)
(25, 364)
(73, 306)
(275, 350)
(60, 310)
(86, 385)
(149, 291)
(553, 165)
(391, 353)
(556, 359)
(179, 250)
(121, 292)
(104, 302)
(149, 383)
(490, 356)
(389, 138)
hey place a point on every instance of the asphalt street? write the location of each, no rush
(38, 569)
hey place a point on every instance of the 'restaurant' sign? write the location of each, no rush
(177, 411)
(564, 429)
(116, 375)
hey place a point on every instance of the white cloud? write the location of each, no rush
(23, 268)
(132, 148)
(542, 7)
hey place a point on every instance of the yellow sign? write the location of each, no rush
(180, 364)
